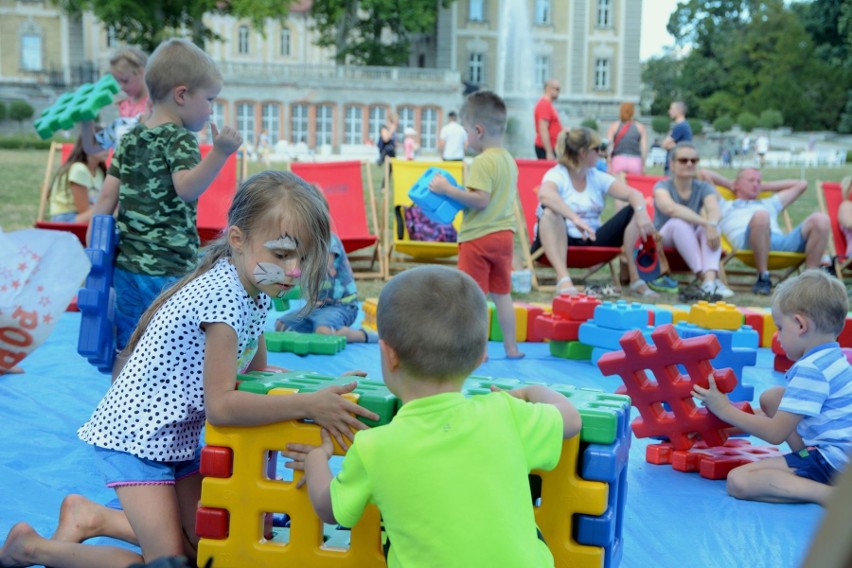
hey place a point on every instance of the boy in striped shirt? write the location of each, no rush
(813, 414)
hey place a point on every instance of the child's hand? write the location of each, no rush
(517, 393)
(227, 141)
(354, 373)
(438, 184)
(298, 454)
(715, 400)
(331, 411)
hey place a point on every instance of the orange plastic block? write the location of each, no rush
(719, 315)
(578, 307)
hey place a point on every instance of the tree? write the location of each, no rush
(770, 118)
(845, 125)
(2, 111)
(660, 124)
(723, 123)
(373, 32)
(660, 78)
(148, 23)
(747, 121)
(20, 111)
(696, 125)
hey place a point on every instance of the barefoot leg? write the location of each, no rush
(81, 519)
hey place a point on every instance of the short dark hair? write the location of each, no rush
(452, 114)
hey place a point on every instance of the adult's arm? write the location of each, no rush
(788, 190)
(634, 197)
(610, 136)
(716, 179)
(544, 132)
(643, 143)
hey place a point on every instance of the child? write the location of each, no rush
(814, 413)
(76, 185)
(337, 306)
(127, 66)
(449, 473)
(185, 356)
(487, 236)
(410, 144)
(157, 176)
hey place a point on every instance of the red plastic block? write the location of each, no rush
(577, 308)
(845, 337)
(659, 454)
(782, 364)
(551, 326)
(684, 419)
(776, 345)
(754, 319)
(217, 461)
(710, 463)
(212, 523)
(533, 312)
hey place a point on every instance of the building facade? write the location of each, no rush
(281, 82)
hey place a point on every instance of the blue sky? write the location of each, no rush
(655, 16)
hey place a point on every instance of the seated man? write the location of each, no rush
(752, 223)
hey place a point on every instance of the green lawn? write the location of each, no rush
(24, 172)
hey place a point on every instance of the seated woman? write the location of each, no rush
(678, 204)
(572, 195)
(76, 185)
(844, 214)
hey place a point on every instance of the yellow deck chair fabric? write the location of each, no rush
(404, 174)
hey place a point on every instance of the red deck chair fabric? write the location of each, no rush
(530, 173)
(213, 205)
(342, 185)
(830, 197)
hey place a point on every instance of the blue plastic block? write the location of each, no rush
(596, 335)
(82, 104)
(96, 300)
(662, 316)
(620, 315)
(438, 208)
(729, 356)
(598, 352)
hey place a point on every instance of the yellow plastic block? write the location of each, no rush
(719, 315)
(678, 314)
(370, 305)
(564, 494)
(248, 494)
(520, 323)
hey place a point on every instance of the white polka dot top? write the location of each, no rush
(155, 408)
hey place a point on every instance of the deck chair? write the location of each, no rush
(592, 258)
(830, 196)
(400, 175)
(351, 216)
(784, 264)
(63, 149)
(213, 205)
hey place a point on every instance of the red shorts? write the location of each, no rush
(488, 260)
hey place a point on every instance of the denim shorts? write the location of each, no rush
(69, 217)
(810, 464)
(791, 242)
(121, 468)
(334, 316)
(133, 294)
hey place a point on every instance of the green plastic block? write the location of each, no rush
(571, 350)
(599, 411)
(82, 104)
(281, 304)
(304, 343)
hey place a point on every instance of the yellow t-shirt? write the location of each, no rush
(61, 197)
(496, 172)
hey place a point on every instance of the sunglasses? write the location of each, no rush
(688, 160)
(601, 148)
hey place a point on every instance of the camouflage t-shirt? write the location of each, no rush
(157, 227)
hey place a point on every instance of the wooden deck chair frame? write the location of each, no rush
(787, 263)
(592, 259)
(400, 175)
(369, 244)
(829, 197)
(63, 150)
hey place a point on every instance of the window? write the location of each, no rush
(541, 69)
(476, 11)
(325, 124)
(245, 121)
(429, 128)
(604, 13)
(406, 120)
(285, 42)
(243, 40)
(542, 11)
(31, 52)
(476, 68)
(217, 117)
(354, 125)
(601, 73)
(111, 37)
(377, 119)
(299, 123)
(270, 118)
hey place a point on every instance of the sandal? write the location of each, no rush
(641, 289)
(569, 290)
(695, 293)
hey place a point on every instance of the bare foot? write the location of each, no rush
(515, 354)
(78, 519)
(15, 370)
(19, 548)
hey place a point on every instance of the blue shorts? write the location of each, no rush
(121, 468)
(779, 242)
(334, 316)
(810, 464)
(68, 217)
(133, 294)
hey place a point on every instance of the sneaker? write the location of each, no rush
(717, 288)
(664, 284)
(762, 285)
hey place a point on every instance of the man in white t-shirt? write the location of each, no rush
(452, 140)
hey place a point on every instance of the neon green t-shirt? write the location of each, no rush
(496, 172)
(449, 475)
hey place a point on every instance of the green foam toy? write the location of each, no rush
(82, 104)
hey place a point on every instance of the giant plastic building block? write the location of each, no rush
(370, 306)
(665, 401)
(710, 463)
(439, 208)
(571, 350)
(304, 343)
(496, 332)
(82, 104)
(577, 308)
(718, 315)
(96, 300)
(729, 355)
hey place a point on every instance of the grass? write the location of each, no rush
(24, 176)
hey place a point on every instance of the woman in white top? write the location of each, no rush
(573, 194)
